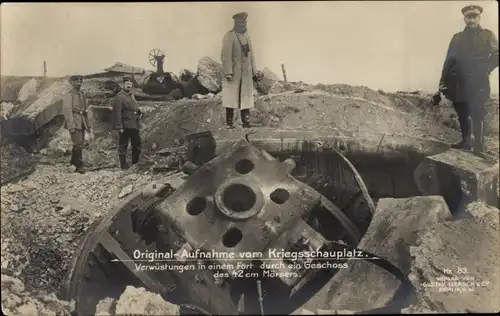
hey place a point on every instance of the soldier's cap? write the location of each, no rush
(127, 78)
(75, 77)
(472, 10)
(240, 16)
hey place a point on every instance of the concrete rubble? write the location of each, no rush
(16, 300)
(455, 264)
(136, 301)
(6, 109)
(209, 74)
(28, 90)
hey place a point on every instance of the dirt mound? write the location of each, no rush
(446, 270)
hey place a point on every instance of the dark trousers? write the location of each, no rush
(132, 135)
(245, 116)
(77, 139)
(471, 119)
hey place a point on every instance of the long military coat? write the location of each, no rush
(472, 55)
(238, 92)
(75, 111)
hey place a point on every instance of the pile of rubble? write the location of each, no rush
(45, 216)
(16, 300)
(136, 301)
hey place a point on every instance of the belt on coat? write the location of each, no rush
(80, 112)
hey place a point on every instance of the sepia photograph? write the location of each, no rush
(249, 158)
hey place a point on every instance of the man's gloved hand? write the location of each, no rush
(436, 98)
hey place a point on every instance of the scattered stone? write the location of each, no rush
(43, 151)
(209, 74)
(106, 307)
(13, 188)
(126, 191)
(6, 109)
(141, 302)
(448, 254)
(198, 96)
(14, 208)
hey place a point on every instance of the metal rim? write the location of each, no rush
(256, 208)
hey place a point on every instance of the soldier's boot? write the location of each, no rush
(229, 118)
(79, 161)
(135, 156)
(467, 136)
(479, 140)
(245, 118)
(123, 162)
(73, 160)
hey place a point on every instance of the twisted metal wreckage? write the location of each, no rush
(241, 200)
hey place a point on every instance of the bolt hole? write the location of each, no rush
(280, 196)
(239, 198)
(232, 237)
(244, 166)
(196, 206)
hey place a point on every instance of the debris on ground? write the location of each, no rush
(136, 301)
(446, 271)
(16, 300)
(6, 109)
(53, 209)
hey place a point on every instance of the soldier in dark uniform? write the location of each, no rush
(127, 117)
(472, 55)
(75, 112)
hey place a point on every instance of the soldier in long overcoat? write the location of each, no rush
(126, 118)
(75, 112)
(472, 55)
(239, 71)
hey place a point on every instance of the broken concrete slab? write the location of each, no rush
(268, 82)
(363, 285)
(47, 106)
(209, 74)
(28, 89)
(455, 265)
(138, 301)
(460, 177)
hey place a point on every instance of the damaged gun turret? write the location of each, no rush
(233, 231)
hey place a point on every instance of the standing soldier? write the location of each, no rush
(472, 55)
(127, 116)
(75, 110)
(239, 71)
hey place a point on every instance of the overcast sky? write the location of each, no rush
(392, 45)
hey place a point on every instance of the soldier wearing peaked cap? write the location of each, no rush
(75, 112)
(240, 71)
(472, 55)
(126, 118)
